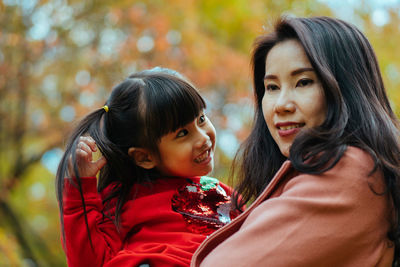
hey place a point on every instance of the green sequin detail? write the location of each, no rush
(208, 183)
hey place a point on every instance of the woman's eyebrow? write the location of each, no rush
(301, 70)
(293, 73)
(270, 77)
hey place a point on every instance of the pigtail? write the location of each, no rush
(89, 125)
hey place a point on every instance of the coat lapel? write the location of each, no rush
(279, 176)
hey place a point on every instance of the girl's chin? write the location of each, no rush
(210, 169)
(207, 170)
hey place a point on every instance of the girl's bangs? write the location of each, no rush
(171, 104)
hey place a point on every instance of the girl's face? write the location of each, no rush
(189, 151)
(294, 98)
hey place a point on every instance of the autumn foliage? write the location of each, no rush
(59, 59)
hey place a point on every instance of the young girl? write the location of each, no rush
(149, 205)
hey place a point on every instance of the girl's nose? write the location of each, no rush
(284, 103)
(203, 139)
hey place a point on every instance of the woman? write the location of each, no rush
(322, 161)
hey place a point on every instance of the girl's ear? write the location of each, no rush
(142, 157)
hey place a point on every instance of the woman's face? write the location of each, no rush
(293, 98)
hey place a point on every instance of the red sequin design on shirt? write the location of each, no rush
(205, 207)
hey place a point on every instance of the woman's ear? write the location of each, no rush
(142, 157)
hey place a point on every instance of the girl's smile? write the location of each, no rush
(205, 156)
(189, 151)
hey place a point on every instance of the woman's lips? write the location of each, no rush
(288, 128)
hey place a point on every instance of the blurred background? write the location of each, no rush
(59, 59)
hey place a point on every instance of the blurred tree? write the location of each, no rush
(59, 59)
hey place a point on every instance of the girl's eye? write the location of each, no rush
(304, 82)
(271, 87)
(202, 119)
(182, 133)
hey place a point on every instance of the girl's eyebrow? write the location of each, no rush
(293, 73)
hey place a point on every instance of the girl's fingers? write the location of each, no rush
(83, 146)
(89, 141)
(82, 154)
(87, 145)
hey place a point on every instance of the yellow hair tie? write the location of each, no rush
(105, 108)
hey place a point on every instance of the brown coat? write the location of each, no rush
(330, 219)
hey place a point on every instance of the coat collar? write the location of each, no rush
(214, 239)
(278, 177)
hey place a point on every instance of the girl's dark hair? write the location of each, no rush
(142, 109)
(358, 111)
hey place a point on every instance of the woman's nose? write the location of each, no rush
(284, 102)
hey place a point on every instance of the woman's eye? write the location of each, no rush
(304, 82)
(182, 133)
(202, 119)
(271, 87)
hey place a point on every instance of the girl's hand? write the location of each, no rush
(86, 167)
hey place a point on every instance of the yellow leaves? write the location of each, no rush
(8, 250)
(12, 39)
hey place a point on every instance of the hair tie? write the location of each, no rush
(105, 107)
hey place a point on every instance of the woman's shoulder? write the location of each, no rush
(355, 161)
(355, 171)
(358, 155)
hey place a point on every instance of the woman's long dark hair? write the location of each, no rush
(142, 109)
(358, 111)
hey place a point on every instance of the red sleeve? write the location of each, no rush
(105, 238)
